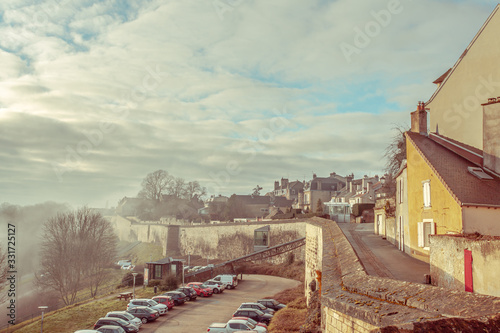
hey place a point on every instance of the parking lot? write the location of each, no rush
(198, 315)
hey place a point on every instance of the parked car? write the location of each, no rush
(161, 308)
(217, 286)
(178, 297)
(110, 329)
(86, 331)
(144, 313)
(254, 314)
(235, 325)
(128, 327)
(271, 304)
(201, 289)
(125, 316)
(189, 292)
(165, 300)
(252, 321)
(230, 280)
(258, 306)
(123, 262)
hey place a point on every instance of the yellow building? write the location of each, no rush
(453, 167)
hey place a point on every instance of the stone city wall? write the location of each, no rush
(353, 301)
(215, 241)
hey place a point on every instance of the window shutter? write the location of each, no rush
(433, 228)
(420, 228)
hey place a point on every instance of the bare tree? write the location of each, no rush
(155, 184)
(177, 187)
(256, 191)
(76, 249)
(193, 189)
(395, 152)
(4, 268)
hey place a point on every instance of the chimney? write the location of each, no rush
(276, 185)
(491, 134)
(314, 175)
(333, 174)
(368, 186)
(419, 119)
(351, 186)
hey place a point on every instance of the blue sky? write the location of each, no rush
(93, 96)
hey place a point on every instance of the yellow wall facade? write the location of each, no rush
(456, 110)
(445, 212)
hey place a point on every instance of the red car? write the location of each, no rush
(166, 300)
(201, 289)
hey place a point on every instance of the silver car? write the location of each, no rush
(125, 316)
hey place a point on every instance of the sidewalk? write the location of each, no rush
(381, 258)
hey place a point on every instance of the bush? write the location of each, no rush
(154, 283)
(287, 320)
(170, 282)
(128, 279)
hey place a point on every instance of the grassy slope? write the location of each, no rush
(85, 314)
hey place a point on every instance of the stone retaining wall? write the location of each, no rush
(223, 241)
(372, 304)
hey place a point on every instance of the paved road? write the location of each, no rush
(196, 316)
(381, 258)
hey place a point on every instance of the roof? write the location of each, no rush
(253, 199)
(450, 72)
(167, 260)
(442, 77)
(452, 171)
(282, 202)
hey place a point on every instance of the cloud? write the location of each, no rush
(93, 96)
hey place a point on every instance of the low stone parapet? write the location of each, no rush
(353, 301)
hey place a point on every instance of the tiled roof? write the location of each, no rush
(452, 170)
(253, 199)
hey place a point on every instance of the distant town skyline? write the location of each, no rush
(94, 96)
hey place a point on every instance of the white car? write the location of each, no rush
(125, 316)
(161, 308)
(217, 286)
(229, 279)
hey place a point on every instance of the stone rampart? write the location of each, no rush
(223, 241)
(353, 301)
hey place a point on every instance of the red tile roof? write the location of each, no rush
(452, 171)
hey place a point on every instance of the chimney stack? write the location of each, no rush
(419, 119)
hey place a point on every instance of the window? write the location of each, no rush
(426, 228)
(173, 269)
(427, 193)
(157, 272)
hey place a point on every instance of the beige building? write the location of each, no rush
(455, 107)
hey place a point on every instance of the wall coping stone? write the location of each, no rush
(384, 302)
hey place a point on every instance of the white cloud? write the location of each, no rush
(189, 92)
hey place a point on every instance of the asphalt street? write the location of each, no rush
(196, 316)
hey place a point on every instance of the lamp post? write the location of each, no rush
(42, 308)
(133, 294)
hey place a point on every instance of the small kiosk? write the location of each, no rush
(261, 238)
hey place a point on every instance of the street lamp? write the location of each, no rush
(42, 308)
(134, 274)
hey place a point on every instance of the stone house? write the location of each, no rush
(289, 190)
(320, 188)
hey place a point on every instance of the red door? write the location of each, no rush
(468, 270)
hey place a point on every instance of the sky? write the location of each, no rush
(94, 95)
